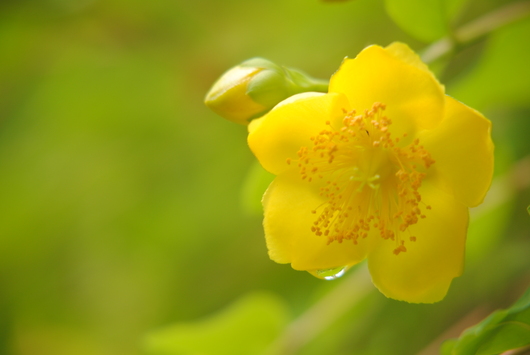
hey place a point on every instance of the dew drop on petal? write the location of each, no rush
(330, 274)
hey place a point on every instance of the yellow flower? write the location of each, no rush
(384, 167)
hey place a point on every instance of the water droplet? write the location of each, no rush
(330, 274)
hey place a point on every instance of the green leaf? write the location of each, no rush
(503, 330)
(427, 20)
(246, 327)
(447, 347)
(256, 182)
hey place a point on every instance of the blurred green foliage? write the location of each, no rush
(426, 20)
(501, 331)
(499, 75)
(247, 327)
(120, 207)
(256, 182)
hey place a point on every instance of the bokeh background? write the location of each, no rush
(121, 218)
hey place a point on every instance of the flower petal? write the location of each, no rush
(423, 273)
(403, 52)
(462, 148)
(289, 126)
(288, 219)
(414, 99)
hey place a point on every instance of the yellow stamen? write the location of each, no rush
(371, 179)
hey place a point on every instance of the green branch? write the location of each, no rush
(475, 29)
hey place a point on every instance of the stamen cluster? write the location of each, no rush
(369, 179)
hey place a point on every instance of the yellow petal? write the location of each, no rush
(463, 152)
(288, 219)
(423, 273)
(279, 134)
(413, 97)
(403, 52)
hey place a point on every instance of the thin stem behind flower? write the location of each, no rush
(476, 29)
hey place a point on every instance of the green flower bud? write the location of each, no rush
(254, 87)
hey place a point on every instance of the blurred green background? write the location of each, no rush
(120, 208)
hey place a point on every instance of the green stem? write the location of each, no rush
(476, 29)
(301, 82)
(348, 292)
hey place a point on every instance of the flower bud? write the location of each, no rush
(254, 87)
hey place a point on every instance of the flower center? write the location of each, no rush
(367, 178)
